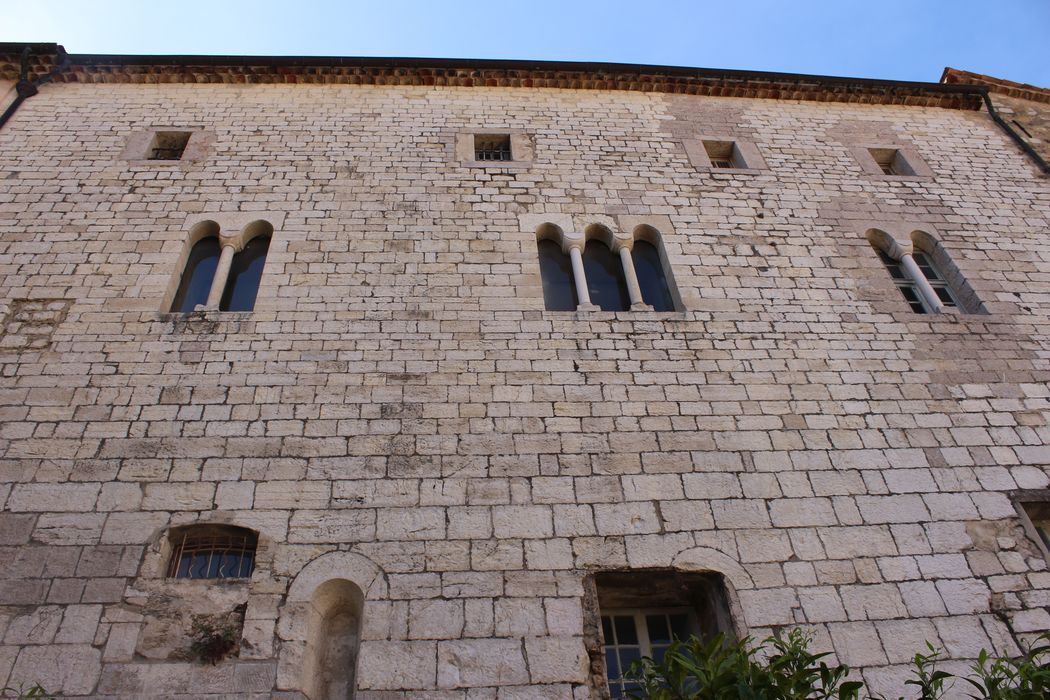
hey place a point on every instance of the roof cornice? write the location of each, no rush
(1024, 91)
(454, 72)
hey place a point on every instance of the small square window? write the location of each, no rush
(492, 147)
(168, 145)
(723, 154)
(891, 161)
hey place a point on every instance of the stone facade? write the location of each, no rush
(401, 420)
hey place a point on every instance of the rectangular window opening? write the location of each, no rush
(891, 161)
(492, 147)
(723, 154)
(168, 145)
(642, 613)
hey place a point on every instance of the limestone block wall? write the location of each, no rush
(399, 412)
(1029, 118)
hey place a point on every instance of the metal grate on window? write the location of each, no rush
(494, 147)
(890, 161)
(723, 154)
(227, 553)
(159, 153)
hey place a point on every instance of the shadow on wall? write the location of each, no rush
(332, 642)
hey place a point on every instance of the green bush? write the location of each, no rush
(21, 692)
(724, 670)
(783, 668)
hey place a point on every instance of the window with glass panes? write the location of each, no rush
(212, 552)
(904, 283)
(933, 276)
(633, 634)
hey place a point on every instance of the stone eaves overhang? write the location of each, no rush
(242, 70)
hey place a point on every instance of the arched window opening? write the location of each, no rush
(559, 289)
(334, 637)
(651, 279)
(910, 283)
(242, 285)
(212, 551)
(197, 276)
(935, 278)
(907, 286)
(605, 281)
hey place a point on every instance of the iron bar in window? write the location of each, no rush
(492, 147)
(213, 555)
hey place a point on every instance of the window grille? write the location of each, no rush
(492, 147)
(632, 634)
(723, 154)
(168, 145)
(208, 552)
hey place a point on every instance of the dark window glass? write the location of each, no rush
(939, 284)
(605, 281)
(621, 650)
(926, 266)
(198, 275)
(945, 296)
(245, 275)
(893, 266)
(651, 276)
(912, 296)
(559, 290)
(625, 630)
(904, 282)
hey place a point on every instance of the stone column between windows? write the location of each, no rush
(634, 290)
(583, 297)
(222, 272)
(929, 296)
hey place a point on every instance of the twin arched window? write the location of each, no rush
(919, 278)
(232, 286)
(613, 279)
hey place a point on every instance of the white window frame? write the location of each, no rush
(641, 627)
(909, 281)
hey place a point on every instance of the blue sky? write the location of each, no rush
(895, 39)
